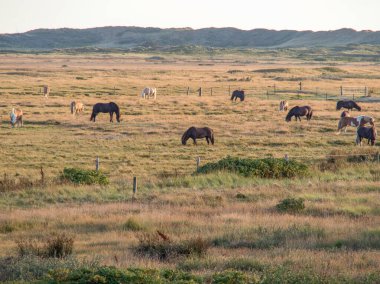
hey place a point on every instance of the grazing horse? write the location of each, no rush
(298, 112)
(348, 105)
(345, 114)
(369, 133)
(16, 117)
(284, 105)
(361, 120)
(194, 133)
(149, 92)
(76, 107)
(110, 108)
(238, 94)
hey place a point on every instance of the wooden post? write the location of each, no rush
(211, 91)
(200, 91)
(198, 160)
(134, 186)
(97, 164)
(188, 90)
(300, 86)
(42, 176)
(114, 90)
(267, 94)
(341, 90)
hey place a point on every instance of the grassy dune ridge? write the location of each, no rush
(336, 235)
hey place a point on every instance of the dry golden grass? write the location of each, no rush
(341, 206)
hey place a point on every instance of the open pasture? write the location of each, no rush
(336, 236)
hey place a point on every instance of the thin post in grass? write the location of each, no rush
(341, 91)
(97, 164)
(188, 91)
(134, 187)
(42, 176)
(198, 161)
(200, 91)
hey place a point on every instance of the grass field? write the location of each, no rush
(336, 236)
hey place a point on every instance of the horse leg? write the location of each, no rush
(208, 141)
(194, 140)
(111, 116)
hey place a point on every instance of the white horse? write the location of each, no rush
(148, 93)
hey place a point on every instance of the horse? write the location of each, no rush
(345, 114)
(149, 92)
(110, 108)
(284, 106)
(361, 120)
(194, 133)
(16, 117)
(238, 94)
(76, 107)
(369, 133)
(298, 111)
(348, 105)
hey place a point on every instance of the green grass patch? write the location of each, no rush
(263, 168)
(81, 176)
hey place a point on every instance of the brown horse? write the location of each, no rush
(369, 133)
(284, 106)
(76, 107)
(195, 133)
(16, 117)
(298, 112)
(361, 120)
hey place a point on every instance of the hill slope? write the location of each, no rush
(130, 37)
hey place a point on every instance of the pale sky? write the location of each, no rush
(24, 15)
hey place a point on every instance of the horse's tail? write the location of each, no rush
(72, 107)
(310, 114)
(117, 111)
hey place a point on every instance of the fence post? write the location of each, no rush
(341, 90)
(114, 90)
(198, 160)
(267, 94)
(97, 164)
(200, 91)
(134, 186)
(188, 90)
(300, 86)
(42, 176)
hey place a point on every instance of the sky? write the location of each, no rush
(23, 15)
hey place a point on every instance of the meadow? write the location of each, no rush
(335, 238)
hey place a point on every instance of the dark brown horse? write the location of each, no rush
(298, 111)
(111, 108)
(369, 133)
(348, 105)
(195, 133)
(238, 94)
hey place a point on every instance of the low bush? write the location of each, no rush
(132, 225)
(55, 245)
(81, 176)
(291, 205)
(263, 168)
(158, 245)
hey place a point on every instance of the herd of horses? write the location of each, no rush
(369, 133)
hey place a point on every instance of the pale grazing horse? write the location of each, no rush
(16, 117)
(149, 93)
(76, 107)
(284, 106)
(358, 121)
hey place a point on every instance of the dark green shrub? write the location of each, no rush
(263, 168)
(291, 205)
(132, 225)
(81, 176)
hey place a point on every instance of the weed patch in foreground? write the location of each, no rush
(263, 168)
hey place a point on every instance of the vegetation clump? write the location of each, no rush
(291, 205)
(263, 168)
(56, 245)
(81, 176)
